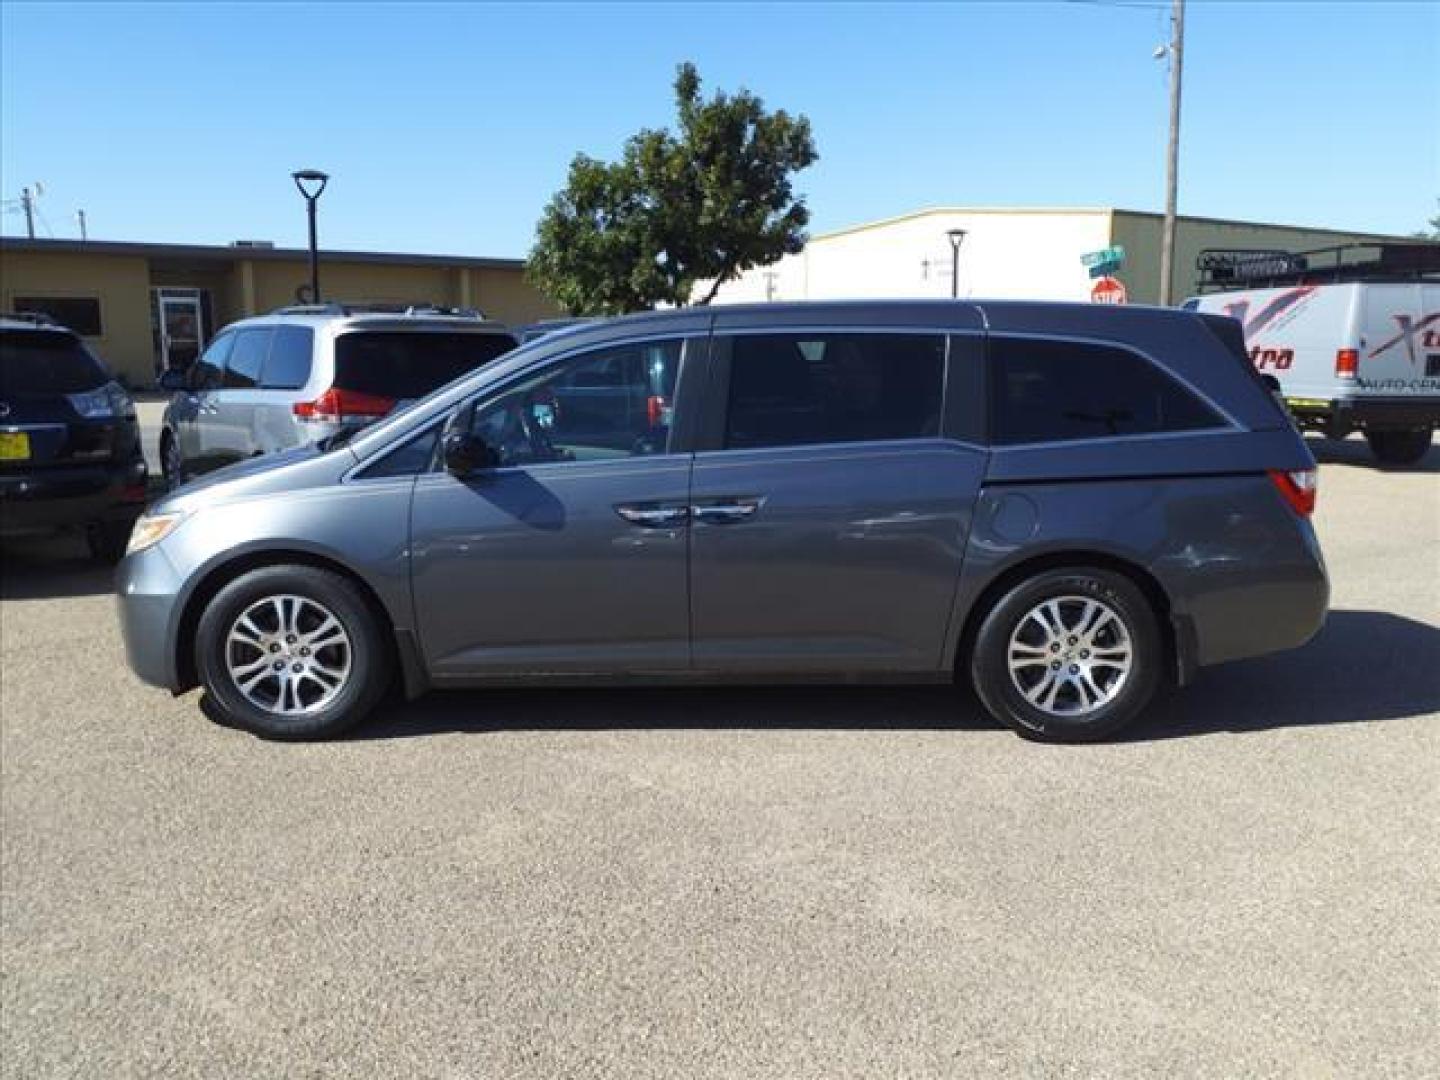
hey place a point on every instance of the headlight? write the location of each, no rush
(107, 400)
(150, 529)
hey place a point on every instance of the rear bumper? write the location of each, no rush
(147, 594)
(1281, 609)
(43, 500)
(1344, 415)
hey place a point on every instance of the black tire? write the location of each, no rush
(1399, 446)
(172, 466)
(370, 664)
(990, 668)
(107, 541)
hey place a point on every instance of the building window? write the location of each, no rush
(78, 313)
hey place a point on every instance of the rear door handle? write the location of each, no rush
(726, 511)
(654, 515)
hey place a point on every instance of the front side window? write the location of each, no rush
(601, 405)
(287, 367)
(209, 370)
(800, 389)
(247, 358)
(1061, 391)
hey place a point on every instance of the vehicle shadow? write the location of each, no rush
(51, 567)
(1355, 451)
(1363, 666)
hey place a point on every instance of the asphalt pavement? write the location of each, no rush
(737, 883)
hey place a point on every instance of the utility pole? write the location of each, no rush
(80, 217)
(1176, 51)
(28, 201)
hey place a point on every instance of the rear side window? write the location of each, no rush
(402, 365)
(799, 389)
(1061, 391)
(288, 365)
(47, 362)
(247, 358)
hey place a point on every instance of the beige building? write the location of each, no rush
(145, 306)
(1008, 253)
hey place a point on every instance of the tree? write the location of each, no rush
(1433, 233)
(700, 205)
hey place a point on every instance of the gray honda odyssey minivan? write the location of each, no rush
(1067, 505)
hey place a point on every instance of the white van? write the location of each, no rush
(1351, 344)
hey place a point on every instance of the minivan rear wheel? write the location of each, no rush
(1403, 446)
(292, 652)
(1068, 655)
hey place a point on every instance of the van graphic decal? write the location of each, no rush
(1266, 315)
(1409, 332)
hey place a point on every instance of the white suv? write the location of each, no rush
(302, 374)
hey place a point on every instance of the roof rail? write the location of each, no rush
(379, 307)
(1377, 261)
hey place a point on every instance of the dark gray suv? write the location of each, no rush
(1068, 505)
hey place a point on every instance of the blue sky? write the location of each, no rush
(446, 127)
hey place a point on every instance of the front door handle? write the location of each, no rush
(654, 515)
(726, 511)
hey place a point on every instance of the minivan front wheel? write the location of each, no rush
(292, 652)
(1068, 655)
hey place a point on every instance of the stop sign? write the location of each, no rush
(1108, 290)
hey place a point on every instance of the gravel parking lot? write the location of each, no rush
(791, 883)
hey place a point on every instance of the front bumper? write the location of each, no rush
(148, 596)
(46, 499)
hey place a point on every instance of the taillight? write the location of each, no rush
(337, 405)
(1346, 361)
(1298, 486)
(657, 411)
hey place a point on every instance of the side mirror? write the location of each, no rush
(172, 380)
(466, 453)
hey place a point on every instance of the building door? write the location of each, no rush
(182, 333)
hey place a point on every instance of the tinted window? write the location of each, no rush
(209, 370)
(406, 364)
(46, 362)
(414, 456)
(794, 389)
(1060, 391)
(288, 365)
(78, 313)
(247, 358)
(610, 403)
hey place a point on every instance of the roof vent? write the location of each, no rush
(268, 245)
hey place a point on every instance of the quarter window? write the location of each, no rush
(247, 358)
(287, 367)
(1061, 391)
(798, 389)
(610, 403)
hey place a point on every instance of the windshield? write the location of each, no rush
(47, 362)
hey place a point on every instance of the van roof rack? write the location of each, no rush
(1257, 268)
(380, 307)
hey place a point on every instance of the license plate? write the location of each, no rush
(14, 446)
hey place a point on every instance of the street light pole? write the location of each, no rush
(317, 180)
(1176, 52)
(957, 237)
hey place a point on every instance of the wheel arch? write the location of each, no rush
(215, 578)
(1173, 627)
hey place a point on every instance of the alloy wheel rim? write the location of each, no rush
(1070, 656)
(288, 655)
